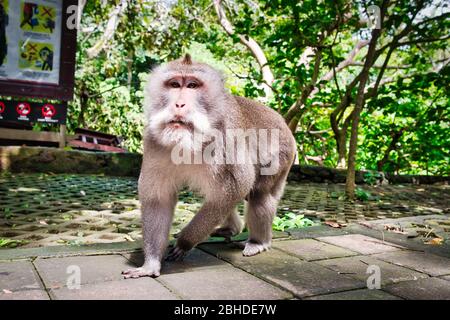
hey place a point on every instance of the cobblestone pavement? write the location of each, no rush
(45, 209)
(314, 264)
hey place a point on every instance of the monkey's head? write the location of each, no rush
(182, 98)
(44, 53)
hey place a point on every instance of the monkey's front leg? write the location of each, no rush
(212, 214)
(157, 218)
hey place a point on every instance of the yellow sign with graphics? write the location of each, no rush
(37, 18)
(30, 40)
(36, 56)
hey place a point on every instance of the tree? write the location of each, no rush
(312, 61)
(405, 27)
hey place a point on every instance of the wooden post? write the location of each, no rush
(62, 136)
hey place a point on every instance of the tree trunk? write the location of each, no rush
(392, 146)
(341, 141)
(293, 124)
(359, 104)
(84, 99)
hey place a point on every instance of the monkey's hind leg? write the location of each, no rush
(230, 228)
(261, 211)
(201, 226)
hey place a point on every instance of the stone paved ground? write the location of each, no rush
(47, 209)
(66, 223)
(316, 264)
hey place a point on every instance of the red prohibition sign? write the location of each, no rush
(23, 109)
(2, 107)
(48, 111)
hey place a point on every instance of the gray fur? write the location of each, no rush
(223, 186)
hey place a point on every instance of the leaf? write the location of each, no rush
(362, 194)
(435, 241)
(9, 243)
(335, 224)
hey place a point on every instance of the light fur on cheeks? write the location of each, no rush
(157, 115)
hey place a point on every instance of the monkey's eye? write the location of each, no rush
(174, 84)
(192, 85)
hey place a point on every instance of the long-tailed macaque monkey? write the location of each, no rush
(185, 100)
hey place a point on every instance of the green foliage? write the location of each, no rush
(291, 220)
(362, 194)
(9, 243)
(337, 195)
(372, 177)
(7, 213)
(418, 108)
(403, 129)
(109, 87)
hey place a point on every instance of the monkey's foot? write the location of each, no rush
(151, 268)
(141, 272)
(176, 254)
(252, 248)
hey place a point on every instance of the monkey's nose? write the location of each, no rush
(179, 105)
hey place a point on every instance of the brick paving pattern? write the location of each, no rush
(212, 270)
(46, 209)
(52, 217)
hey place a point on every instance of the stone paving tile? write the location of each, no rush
(195, 260)
(418, 228)
(17, 276)
(67, 209)
(225, 283)
(131, 289)
(423, 289)
(361, 294)
(93, 269)
(316, 232)
(361, 244)
(300, 277)
(310, 249)
(357, 267)
(25, 295)
(424, 262)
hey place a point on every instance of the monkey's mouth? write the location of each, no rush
(180, 124)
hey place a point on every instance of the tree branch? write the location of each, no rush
(360, 64)
(111, 27)
(251, 44)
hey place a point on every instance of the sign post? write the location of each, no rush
(37, 60)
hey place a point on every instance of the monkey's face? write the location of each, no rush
(180, 103)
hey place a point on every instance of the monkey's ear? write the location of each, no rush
(187, 59)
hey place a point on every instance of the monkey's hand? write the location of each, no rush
(147, 270)
(176, 254)
(226, 233)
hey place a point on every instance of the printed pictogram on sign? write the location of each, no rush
(23, 109)
(48, 111)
